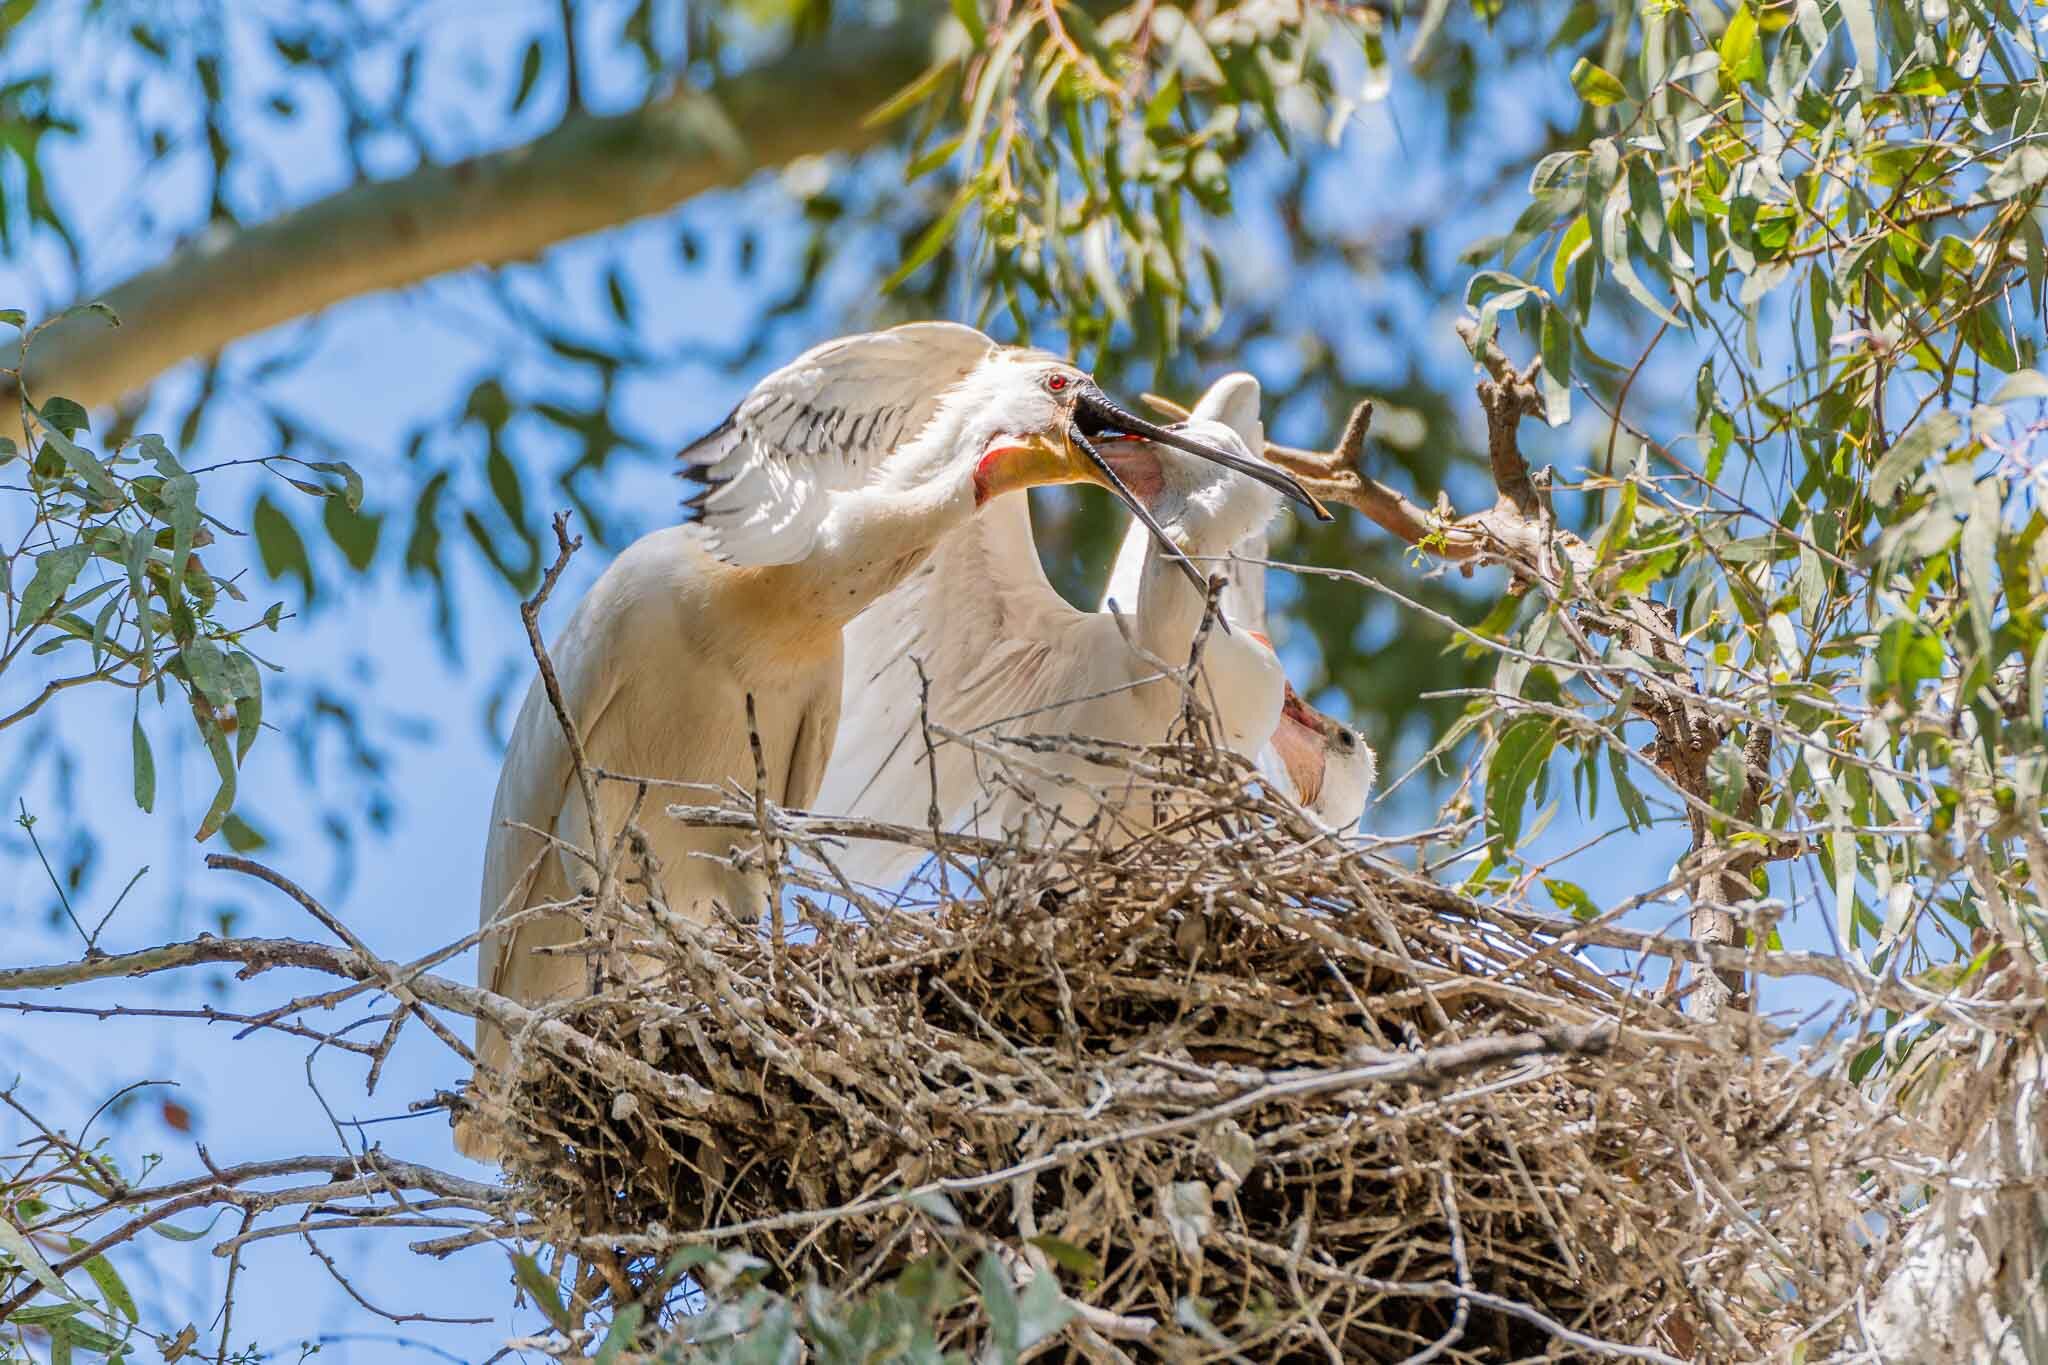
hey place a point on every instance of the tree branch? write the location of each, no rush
(1520, 533)
(588, 174)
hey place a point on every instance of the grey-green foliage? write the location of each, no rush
(940, 1308)
(104, 578)
(1837, 210)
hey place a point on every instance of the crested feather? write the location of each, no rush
(820, 424)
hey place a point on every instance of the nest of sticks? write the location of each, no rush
(1230, 1078)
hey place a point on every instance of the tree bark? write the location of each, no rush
(588, 174)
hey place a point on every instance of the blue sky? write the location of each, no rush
(371, 369)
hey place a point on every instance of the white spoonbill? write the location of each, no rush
(828, 484)
(1006, 655)
(1325, 765)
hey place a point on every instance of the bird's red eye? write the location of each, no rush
(1056, 382)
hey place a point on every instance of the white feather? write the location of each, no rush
(1005, 655)
(823, 422)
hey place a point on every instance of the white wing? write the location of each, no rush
(995, 641)
(533, 786)
(820, 423)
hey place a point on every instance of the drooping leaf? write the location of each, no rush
(145, 768)
(279, 544)
(55, 571)
(1518, 758)
(529, 73)
(542, 1289)
(111, 1287)
(1896, 466)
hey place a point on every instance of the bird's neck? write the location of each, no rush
(876, 535)
(1169, 609)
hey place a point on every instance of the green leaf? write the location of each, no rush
(138, 590)
(1517, 759)
(1596, 85)
(529, 72)
(242, 836)
(145, 768)
(13, 317)
(1067, 1256)
(223, 764)
(1979, 550)
(173, 1233)
(542, 1289)
(934, 239)
(55, 570)
(1571, 898)
(1742, 56)
(1646, 202)
(909, 97)
(351, 490)
(1908, 654)
(1861, 21)
(111, 1288)
(1898, 464)
(620, 1336)
(181, 496)
(935, 1204)
(84, 464)
(91, 1339)
(246, 682)
(1620, 524)
(1556, 374)
(24, 1253)
(2020, 172)
(355, 534)
(206, 668)
(999, 1301)
(43, 1314)
(66, 416)
(1633, 806)
(2021, 386)
(1041, 1311)
(1614, 251)
(1577, 238)
(278, 542)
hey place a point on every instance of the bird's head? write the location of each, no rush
(1204, 506)
(1329, 765)
(1035, 419)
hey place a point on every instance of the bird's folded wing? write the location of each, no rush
(534, 784)
(821, 423)
(992, 637)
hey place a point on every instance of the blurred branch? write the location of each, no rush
(588, 174)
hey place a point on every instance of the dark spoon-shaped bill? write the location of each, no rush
(1145, 518)
(1095, 417)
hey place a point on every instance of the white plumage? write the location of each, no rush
(1325, 765)
(827, 485)
(1005, 655)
